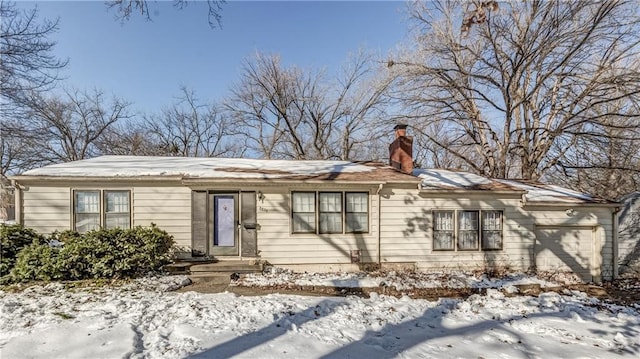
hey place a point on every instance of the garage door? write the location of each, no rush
(561, 249)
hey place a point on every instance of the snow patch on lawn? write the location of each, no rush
(142, 320)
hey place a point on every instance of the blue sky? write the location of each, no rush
(147, 62)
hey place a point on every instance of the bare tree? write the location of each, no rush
(126, 8)
(526, 84)
(129, 138)
(290, 113)
(427, 154)
(60, 129)
(191, 128)
(27, 64)
(604, 161)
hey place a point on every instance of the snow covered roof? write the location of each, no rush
(538, 192)
(437, 179)
(217, 168)
(141, 167)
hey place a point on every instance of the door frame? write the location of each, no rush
(212, 248)
(203, 226)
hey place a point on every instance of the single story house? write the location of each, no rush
(329, 215)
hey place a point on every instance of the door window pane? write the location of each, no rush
(443, 229)
(357, 212)
(304, 212)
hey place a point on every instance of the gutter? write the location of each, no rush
(195, 181)
(17, 201)
(380, 186)
(93, 179)
(470, 191)
(572, 204)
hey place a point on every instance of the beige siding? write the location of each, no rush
(168, 207)
(407, 231)
(629, 235)
(278, 245)
(561, 249)
(46, 209)
(403, 232)
(597, 219)
(49, 208)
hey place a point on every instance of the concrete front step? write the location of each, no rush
(211, 278)
(227, 267)
(182, 266)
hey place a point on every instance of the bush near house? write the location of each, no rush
(37, 261)
(13, 239)
(104, 253)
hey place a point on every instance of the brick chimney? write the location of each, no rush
(401, 150)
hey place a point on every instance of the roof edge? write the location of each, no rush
(474, 191)
(571, 204)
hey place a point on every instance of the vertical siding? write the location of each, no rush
(47, 208)
(278, 245)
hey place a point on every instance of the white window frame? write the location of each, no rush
(451, 231)
(75, 214)
(338, 213)
(475, 230)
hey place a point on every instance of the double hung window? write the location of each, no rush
(304, 212)
(467, 230)
(94, 209)
(330, 212)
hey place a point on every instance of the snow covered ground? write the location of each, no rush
(142, 320)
